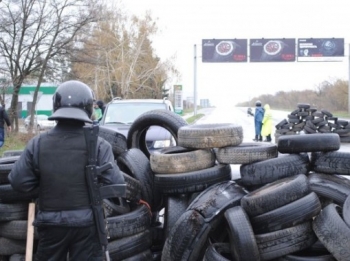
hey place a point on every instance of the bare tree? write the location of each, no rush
(125, 64)
(32, 33)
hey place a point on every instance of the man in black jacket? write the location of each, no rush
(56, 161)
(4, 118)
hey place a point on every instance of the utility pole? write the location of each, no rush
(349, 82)
(195, 81)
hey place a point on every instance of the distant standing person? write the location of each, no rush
(267, 123)
(97, 112)
(101, 105)
(4, 118)
(258, 117)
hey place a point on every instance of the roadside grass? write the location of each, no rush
(15, 141)
(341, 114)
(194, 118)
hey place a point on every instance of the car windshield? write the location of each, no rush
(42, 117)
(126, 113)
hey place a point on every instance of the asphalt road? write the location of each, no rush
(238, 115)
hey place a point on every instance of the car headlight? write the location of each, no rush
(161, 144)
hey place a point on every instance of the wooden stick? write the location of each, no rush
(30, 232)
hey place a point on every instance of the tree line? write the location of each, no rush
(89, 40)
(332, 96)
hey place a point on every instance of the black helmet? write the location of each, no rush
(73, 100)
(258, 103)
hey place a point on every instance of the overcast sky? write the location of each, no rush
(184, 23)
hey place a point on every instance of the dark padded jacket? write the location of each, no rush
(4, 118)
(26, 176)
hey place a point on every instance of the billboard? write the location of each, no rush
(272, 50)
(224, 50)
(320, 49)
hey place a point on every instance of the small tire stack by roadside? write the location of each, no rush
(290, 202)
(309, 120)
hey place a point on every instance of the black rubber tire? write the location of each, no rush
(246, 152)
(275, 195)
(18, 257)
(207, 136)
(292, 117)
(342, 123)
(242, 240)
(303, 114)
(309, 130)
(332, 187)
(346, 211)
(286, 241)
(330, 225)
(321, 124)
(16, 229)
(345, 139)
(182, 161)
(311, 109)
(317, 120)
(217, 198)
(267, 171)
(175, 206)
(116, 139)
(115, 206)
(294, 121)
(295, 112)
(281, 123)
(303, 106)
(317, 252)
(327, 113)
(307, 257)
(167, 119)
(133, 188)
(294, 213)
(12, 246)
(135, 163)
(143, 256)
(333, 162)
(218, 252)
(318, 114)
(13, 211)
(188, 237)
(127, 247)
(194, 181)
(325, 129)
(134, 222)
(308, 143)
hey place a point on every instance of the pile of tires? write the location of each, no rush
(290, 202)
(309, 120)
(284, 206)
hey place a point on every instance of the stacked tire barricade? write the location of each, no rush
(309, 120)
(290, 203)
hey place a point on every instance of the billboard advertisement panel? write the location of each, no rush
(272, 50)
(320, 49)
(224, 50)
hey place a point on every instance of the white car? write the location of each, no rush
(40, 122)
